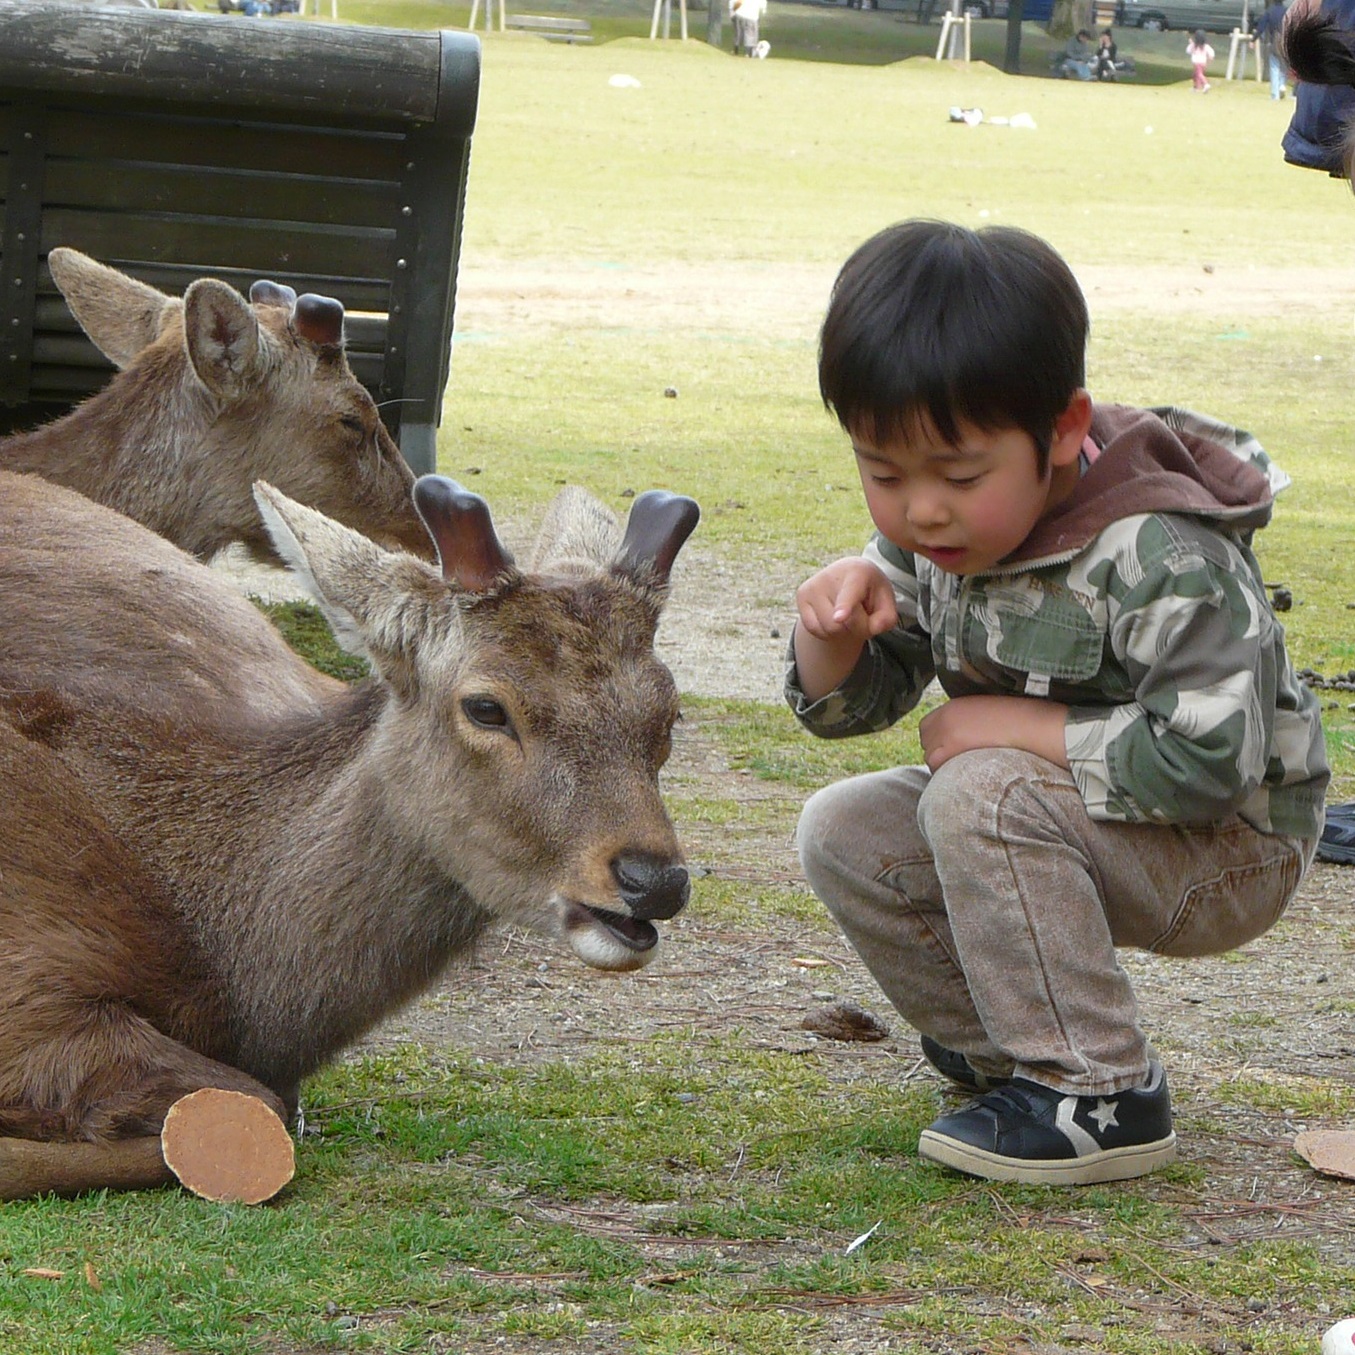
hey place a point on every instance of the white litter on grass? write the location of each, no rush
(624, 82)
(1148, 131)
(860, 1241)
(973, 117)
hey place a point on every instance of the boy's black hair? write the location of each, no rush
(932, 322)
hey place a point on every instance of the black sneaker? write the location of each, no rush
(958, 1068)
(1026, 1132)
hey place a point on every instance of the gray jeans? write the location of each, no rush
(988, 906)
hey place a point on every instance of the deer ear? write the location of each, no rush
(469, 550)
(579, 535)
(370, 597)
(222, 337)
(658, 526)
(120, 315)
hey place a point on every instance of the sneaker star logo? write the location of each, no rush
(1104, 1114)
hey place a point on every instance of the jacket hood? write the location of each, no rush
(1150, 465)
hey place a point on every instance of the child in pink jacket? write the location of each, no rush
(1201, 54)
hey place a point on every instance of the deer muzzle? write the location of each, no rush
(648, 887)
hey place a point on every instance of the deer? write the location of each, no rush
(221, 867)
(212, 392)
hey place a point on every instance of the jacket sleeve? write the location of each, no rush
(1195, 635)
(892, 673)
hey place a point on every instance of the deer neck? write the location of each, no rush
(133, 447)
(289, 865)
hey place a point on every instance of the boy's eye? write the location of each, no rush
(961, 482)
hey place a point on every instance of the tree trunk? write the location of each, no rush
(1069, 16)
(1011, 59)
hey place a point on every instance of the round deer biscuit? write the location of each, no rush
(227, 1146)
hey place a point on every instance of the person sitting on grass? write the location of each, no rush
(1107, 54)
(1123, 755)
(1078, 60)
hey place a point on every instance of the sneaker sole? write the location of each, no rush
(1114, 1164)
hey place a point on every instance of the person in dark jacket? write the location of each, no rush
(1106, 54)
(1268, 31)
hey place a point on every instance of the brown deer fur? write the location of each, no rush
(213, 393)
(220, 868)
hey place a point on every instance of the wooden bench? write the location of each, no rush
(552, 27)
(178, 145)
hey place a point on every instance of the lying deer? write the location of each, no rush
(214, 392)
(219, 867)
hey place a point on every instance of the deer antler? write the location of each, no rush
(658, 525)
(459, 522)
(318, 318)
(265, 293)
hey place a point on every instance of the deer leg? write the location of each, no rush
(95, 1101)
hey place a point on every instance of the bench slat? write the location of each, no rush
(242, 243)
(192, 58)
(196, 191)
(147, 136)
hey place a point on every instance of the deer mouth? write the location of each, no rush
(608, 940)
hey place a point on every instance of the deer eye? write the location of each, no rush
(485, 712)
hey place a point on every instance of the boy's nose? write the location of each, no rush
(925, 510)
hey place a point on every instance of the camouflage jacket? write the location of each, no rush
(1139, 604)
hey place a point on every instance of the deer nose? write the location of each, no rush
(650, 886)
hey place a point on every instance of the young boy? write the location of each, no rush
(1125, 757)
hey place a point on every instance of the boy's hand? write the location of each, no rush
(840, 607)
(970, 722)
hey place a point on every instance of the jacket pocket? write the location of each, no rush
(1034, 629)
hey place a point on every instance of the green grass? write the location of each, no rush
(458, 1204)
(695, 1193)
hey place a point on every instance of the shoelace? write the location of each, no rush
(1000, 1099)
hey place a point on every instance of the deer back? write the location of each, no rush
(100, 612)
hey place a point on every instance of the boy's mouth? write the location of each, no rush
(942, 555)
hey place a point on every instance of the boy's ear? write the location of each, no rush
(1071, 429)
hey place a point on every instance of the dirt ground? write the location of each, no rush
(1282, 1010)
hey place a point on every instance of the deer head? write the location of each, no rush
(531, 711)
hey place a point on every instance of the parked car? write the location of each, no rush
(1214, 16)
(1033, 11)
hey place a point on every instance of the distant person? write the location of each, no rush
(1319, 46)
(1268, 31)
(1201, 54)
(746, 15)
(1106, 53)
(1123, 755)
(1079, 57)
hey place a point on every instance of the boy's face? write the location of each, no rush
(967, 507)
